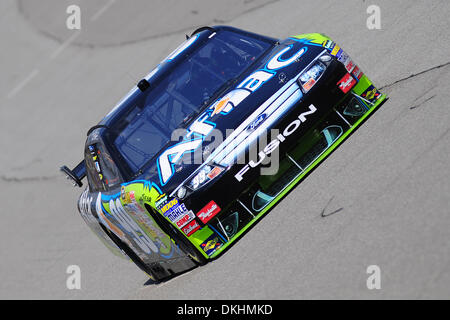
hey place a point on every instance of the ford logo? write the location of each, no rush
(255, 124)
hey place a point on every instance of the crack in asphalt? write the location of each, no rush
(324, 215)
(415, 75)
(423, 102)
(27, 179)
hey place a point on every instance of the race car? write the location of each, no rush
(211, 139)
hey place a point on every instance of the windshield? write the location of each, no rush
(182, 94)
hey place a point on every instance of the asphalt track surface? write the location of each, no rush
(385, 193)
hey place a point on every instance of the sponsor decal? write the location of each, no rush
(346, 61)
(191, 228)
(222, 105)
(183, 220)
(176, 212)
(343, 57)
(328, 44)
(95, 157)
(346, 83)
(349, 65)
(274, 144)
(161, 200)
(208, 212)
(255, 124)
(371, 94)
(214, 172)
(338, 55)
(128, 197)
(97, 167)
(95, 154)
(202, 126)
(357, 72)
(211, 245)
(168, 206)
(335, 50)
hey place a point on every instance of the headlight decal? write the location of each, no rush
(309, 77)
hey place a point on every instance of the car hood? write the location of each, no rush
(236, 110)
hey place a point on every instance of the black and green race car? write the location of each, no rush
(209, 141)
